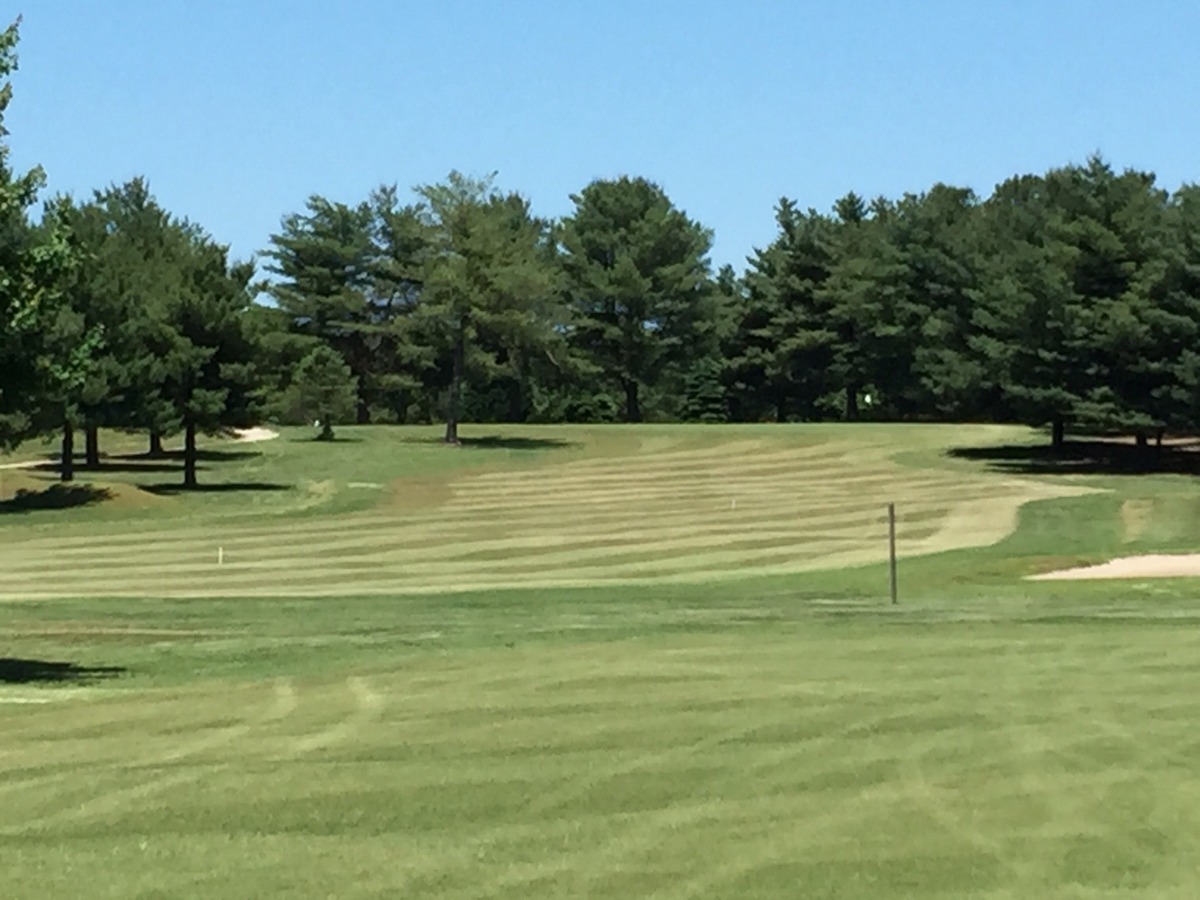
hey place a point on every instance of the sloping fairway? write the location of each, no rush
(592, 506)
(721, 707)
(740, 749)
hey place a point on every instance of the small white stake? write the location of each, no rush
(220, 556)
(733, 503)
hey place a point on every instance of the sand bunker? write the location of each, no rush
(1183, 565)
(254, 434)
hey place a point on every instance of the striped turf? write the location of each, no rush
(678, 506)
(836, 760)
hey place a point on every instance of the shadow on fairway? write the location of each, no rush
(201, 455)
(228, 487)
(31, 671)
(499, 442)
(112, 465)
(56, 496)
(1087, 458)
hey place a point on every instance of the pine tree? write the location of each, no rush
(490, 286)
(324, 262)
(322, 389)
(638, 278)
(781, 346)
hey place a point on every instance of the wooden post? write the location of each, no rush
(892, 552)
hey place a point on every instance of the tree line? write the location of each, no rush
(1069, 299)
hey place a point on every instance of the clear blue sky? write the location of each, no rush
(237, 111)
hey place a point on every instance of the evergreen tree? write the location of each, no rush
(704, 397)
(781, 346)
(323, 389)
(207, 343)
(490, 286)
(69, 346)
(638, 278)
(406, 358)
(323, 258)
(930, 371)
(1071, 315)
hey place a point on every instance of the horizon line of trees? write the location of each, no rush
(1069, 299)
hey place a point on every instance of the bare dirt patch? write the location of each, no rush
(1135, 517)
(1181, 565)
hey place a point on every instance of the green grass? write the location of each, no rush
(391, 511)
(565, 703)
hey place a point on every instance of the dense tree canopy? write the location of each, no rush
(1068, 299)
(639, 281)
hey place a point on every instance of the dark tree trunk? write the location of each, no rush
(516, 403)
(1143, 440)
(156, 445)
(92, 440)
(780, 409)
(66, 467)
(326, 428)
(189, 456)
(1158, 437)
(1058, 432)
(851, 402)
(633, 408)
(362, 414)
(455, 399)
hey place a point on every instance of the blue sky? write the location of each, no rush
(237, 111)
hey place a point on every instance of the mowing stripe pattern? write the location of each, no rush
(681, 510)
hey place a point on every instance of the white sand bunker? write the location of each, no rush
(257, 433)
(1182, 565)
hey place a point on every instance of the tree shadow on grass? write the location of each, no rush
(227, 487)
(56, 496)
(498, 442)
(110, 465)
(31, 671)
(1091, 457)
(177, 455)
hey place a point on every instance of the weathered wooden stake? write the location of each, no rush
(892, 552)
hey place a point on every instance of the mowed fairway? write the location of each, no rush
(659, 721)
(804, 759)
(681, 504)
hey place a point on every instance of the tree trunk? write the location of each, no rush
(326, 428)
(66, 468)
(1143, 440)
(516, 403)
(455, 399)
(189, 456)
(362, 414)
(156, 445)
(781, 409)
(851, 402)
(1158, 437)
(1058, 432)
(633, 409)
(92, 440)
